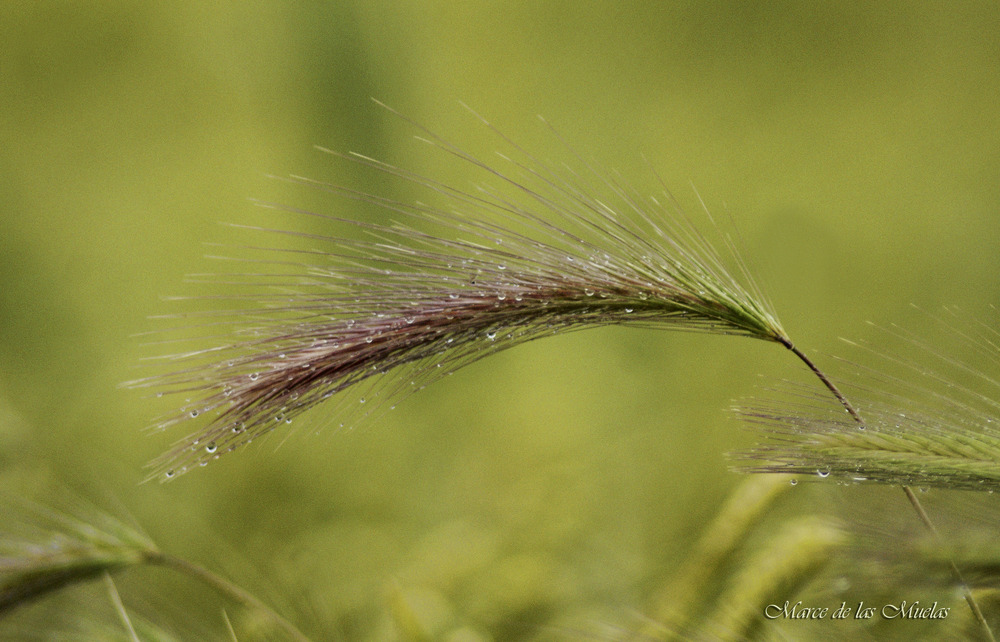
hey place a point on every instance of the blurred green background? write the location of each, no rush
(560, 483)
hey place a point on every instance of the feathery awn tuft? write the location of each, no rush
(529, 252)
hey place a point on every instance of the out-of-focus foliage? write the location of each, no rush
(557, 485)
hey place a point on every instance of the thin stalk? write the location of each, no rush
(910, 495)
(116, 599)
(227, 588)
(826, 381)
(966, 593)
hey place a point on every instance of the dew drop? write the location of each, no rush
(193, 413)
(253, 376)
(368, 339)
(491, 336)
(452, 296)
(169, 474)
(501, 267)
(628, 310)
(501, 296)
(362, 400)
(588, 292)
(211, 448)
(793, 482)
(823, 473)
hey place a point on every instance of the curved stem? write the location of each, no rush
(910, 495)
(226, 587)
(826, 381)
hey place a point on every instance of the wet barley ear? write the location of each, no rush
(382, 311)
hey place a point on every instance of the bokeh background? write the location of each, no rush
(558, 484)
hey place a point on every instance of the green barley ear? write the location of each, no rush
(57, 550)
(530, 252)
(789, 561)
(66, 551)
(898, 448)
(933, 422)
(682, 598)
